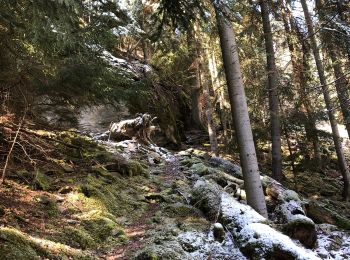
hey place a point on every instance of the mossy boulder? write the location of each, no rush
(77, 237)
(129, 168)
(200, 169)
(322, 213)
(169, 250)
(181, 210)
(15, 246)
(303, 229)
(99, 225)
(188, 162)
(207, 197)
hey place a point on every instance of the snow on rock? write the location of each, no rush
(332, 243)
(255, 238)
(238, 215)
(204, 246)
(261, 240)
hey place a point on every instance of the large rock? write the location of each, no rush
(256, 239)
(290, 213)
(229, 167)
(207, 197)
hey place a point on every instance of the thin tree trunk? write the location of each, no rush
(341, 85)
(335, 132)
(300, 66)
(195, 81)
(273, 94)
(205, 82)
(218, 90)
(252, 182)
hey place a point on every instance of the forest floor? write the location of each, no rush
(68, 196)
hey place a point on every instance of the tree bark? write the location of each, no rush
(335, 132)
(341, 84)
(219, 91)
(205, 82)
(273, 94)
(194, 82)
(300, 67)
(251, 176)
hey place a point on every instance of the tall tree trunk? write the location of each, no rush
(252, 182)
(205, 83)
(341, 85)
(273, 94)
(335, 132)
(300, 67)
(194, 81)
(218, 90)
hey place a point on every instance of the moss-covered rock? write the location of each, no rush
(48, 204)
(99, 225)
(129, 168)
(169, 250)
(207, 197)
(303, 229)
(181, 210)
(199, 168)
(321, 213)
(42, 181)
(77, 237)
(15, 245)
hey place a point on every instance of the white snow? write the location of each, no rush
(332, 244)
(270, 238)
(238, 213)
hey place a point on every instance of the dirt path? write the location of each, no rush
(137, 230)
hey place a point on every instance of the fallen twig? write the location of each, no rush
(11, 149)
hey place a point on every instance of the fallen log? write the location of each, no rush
(139, 128)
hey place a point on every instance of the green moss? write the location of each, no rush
(167, 250)
(190, 161)
(42, 181)
(99, 225)
(199, 168)
(15, 246)
(134, 168)
(181, 210)
(290, 195)
(342, 222)
(48, 204)
(77, 237)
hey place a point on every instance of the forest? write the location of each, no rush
(174, 129)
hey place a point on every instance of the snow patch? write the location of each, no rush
(257, 233)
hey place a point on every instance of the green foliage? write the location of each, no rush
(52, 52)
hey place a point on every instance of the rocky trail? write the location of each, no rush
(126, 200)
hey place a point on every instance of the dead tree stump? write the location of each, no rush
(139, 128)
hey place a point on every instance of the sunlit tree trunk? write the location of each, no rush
(252, 182)
(299, 65)
(218, 90)
(205, 83)
(273, 94)
(335, 132)
(194, 82)
(342, 86)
